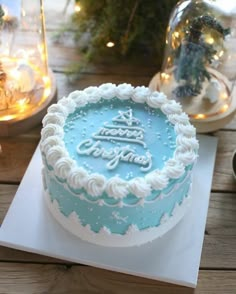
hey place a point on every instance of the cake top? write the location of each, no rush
(118, 140)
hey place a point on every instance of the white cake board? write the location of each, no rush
(174, 258)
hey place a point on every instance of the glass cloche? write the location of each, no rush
(199, 66)
(26, 83)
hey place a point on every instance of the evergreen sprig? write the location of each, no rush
(136, 27)
(1, 15)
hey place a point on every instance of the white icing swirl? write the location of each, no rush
(57, 157)
(56, 108)
(156, 99)
(49, 142)
(173, 168)
(140, 94)
(95, 184)
(117, 188)
(107, 91)
(171, 107)
(79, 97)
(63, 166)
(139, 187)
(77, 177)
(157, 179)
(93, 93)
(186, 130)
(181, 118)
(52, 130)
(53, 118)
(54, 154)
(69, 104)
(187, 143)
(124, 91)
(186, 157)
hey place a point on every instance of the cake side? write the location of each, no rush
(137, 189)
(132, 237)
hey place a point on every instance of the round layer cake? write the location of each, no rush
(118, 163)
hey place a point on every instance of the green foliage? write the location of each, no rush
(1, 15)
(194, 54)
(136, 27)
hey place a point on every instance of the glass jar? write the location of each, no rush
(25, 81)
(200, 60)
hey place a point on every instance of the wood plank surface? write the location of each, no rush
(22, 272)
(219, 248)
(58, 279)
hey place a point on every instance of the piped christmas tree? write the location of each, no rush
(126, 131)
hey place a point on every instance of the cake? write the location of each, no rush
(117, 163)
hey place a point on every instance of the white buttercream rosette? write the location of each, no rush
(56, 155)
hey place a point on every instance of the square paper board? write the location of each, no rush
(174, 258)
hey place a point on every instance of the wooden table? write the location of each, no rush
(22, 272)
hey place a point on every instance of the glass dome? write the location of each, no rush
(25, 81)
(199, 62)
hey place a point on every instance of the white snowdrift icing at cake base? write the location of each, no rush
(133, 236)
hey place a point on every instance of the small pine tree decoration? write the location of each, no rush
(194, 54)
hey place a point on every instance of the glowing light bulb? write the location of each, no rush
(46, 80)
(165, 76)
(77, 8)
(221, 53)
(224, 107)
(22, 101)
(210, 40)
(224, 96)
(200, 116)
(176, 34)
(110, 44)
(47, 92)
(6, 117)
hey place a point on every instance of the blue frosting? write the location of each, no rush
(159, 136)
(156, 136)
(118, 219)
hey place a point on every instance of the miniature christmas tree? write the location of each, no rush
(193, 55)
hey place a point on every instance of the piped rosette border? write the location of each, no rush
(76, 178)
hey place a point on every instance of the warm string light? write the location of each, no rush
(110, 44)
(7, 117)
(221, 53)
(210, 40)
(224, 96)
(165, 77)
(77, 7)
(200, 116)
(224, 108)
(22, 105)
(47, 87)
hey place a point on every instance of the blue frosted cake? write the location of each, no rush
(117, 163)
